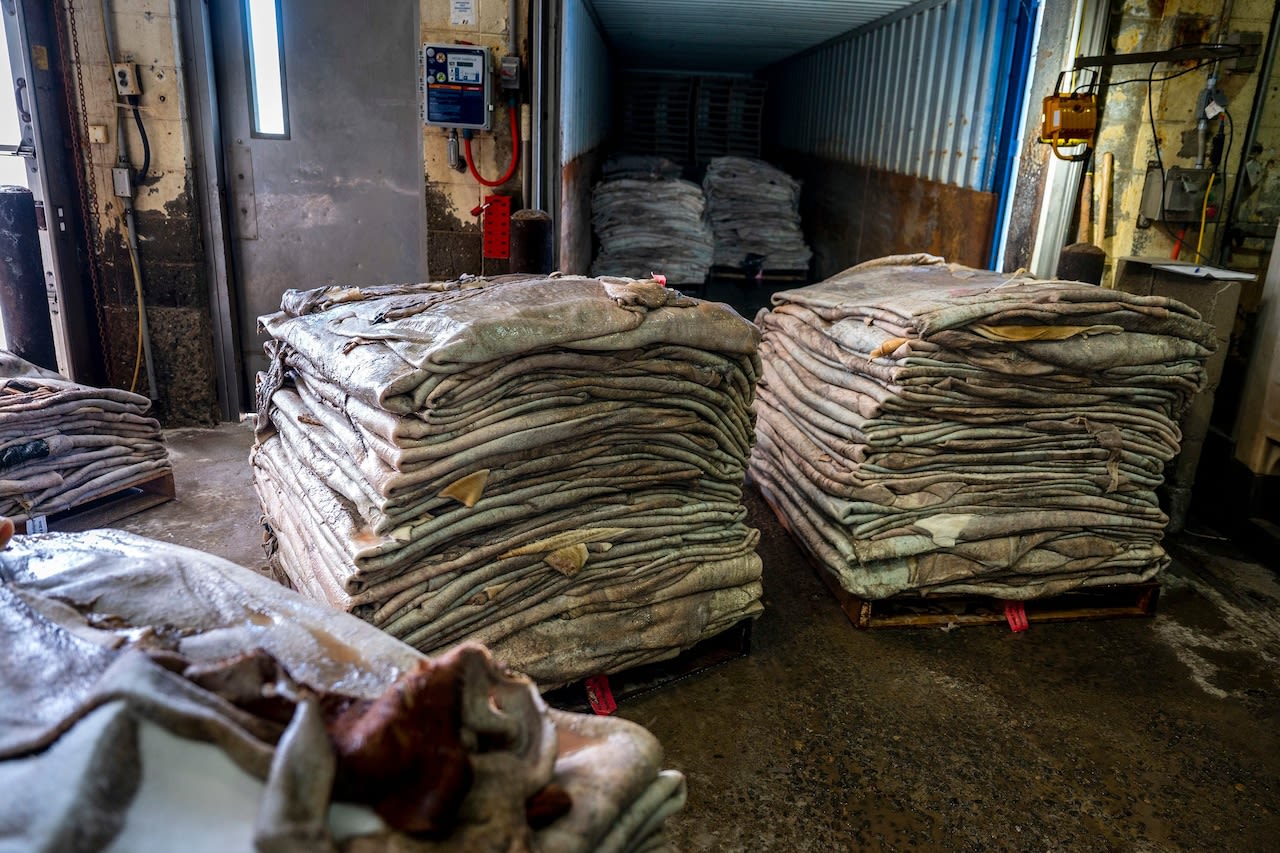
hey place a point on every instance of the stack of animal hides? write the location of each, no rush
(647, 220)
(754, 210)
(158, 698)
(63, 444)
(549, 465)
(940, 429)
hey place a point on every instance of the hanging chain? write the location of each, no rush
(86, 176)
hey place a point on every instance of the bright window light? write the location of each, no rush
(267, 96)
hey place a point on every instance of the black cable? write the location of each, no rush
(146, 143)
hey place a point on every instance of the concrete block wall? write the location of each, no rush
(453, 234)
(175, 289)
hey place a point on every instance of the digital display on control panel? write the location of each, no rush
(456, 86)
(466, 68)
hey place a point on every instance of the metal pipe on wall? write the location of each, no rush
(1265, 68)
(537, 78)
(526, 119)
(513, 41)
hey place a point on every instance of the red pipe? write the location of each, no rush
(515, 154)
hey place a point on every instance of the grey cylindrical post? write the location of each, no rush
(24, 302)
(531, 241)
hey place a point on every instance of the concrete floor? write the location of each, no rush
(1140, 735)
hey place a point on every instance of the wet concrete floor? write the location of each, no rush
(1132, 734)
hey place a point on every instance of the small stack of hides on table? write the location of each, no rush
(649, 221)
(754, 209)
(931, 428)
(552, 466)
(63, 444)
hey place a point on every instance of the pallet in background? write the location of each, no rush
(1112, 601)
(728, 645)
(111, 507)
(1115, 601)
(773, 278)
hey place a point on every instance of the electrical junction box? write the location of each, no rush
(122, 182)
(1182, 199)
(1069, 119)
(126, 75)
(455, 82)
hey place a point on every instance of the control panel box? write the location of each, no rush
(455, 83)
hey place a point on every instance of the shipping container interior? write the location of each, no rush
(916, 127)
(899, 119)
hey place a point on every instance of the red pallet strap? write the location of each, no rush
(600, 696)
(496, 226)
(1016, 614)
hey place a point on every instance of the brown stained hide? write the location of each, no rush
(402, 753)
(254, 682)
(547, 806)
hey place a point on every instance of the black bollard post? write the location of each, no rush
(531, 241)
(24, 302)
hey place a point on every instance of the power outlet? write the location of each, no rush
(98, 134)
(127, 79)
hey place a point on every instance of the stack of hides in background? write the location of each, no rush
(942, 429)
(158, 698)
(648, 221)
(63, 444)
(755, 215)
(550, 466)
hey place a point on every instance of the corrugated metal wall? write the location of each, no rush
(920, 93)
(586, 82)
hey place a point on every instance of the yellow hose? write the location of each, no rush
(137, 289)
(1204, 213)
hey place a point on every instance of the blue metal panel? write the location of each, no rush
(585, 83)
(922, 93)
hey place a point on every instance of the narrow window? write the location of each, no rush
(265, 52)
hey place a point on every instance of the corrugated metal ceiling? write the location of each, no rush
(727, 35)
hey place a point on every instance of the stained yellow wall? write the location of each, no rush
(453, 234)
(1125, 129)
(172, 255)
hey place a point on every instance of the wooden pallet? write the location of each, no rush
(728, 645)
(939, 611)
(110, 507)
(791, 278)
(1113, 601)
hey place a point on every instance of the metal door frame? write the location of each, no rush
(209, 177)
(55, 186)
(200, 46)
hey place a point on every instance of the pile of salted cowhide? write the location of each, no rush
(552, 466)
